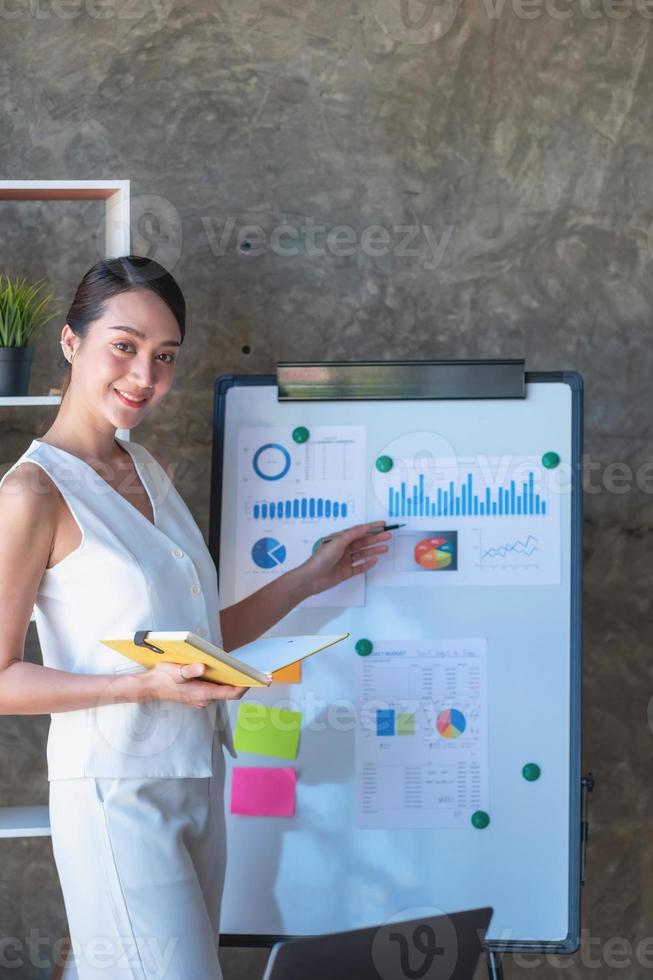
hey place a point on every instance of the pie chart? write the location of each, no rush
(268, 553)
(433, 553)
(451, 723)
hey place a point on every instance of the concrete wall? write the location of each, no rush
(511, 141)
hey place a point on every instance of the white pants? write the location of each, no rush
(141, 863)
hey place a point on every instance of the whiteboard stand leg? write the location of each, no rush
(494, 966)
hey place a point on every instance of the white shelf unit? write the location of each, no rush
(33, 821)
(24, 821)
(18, 401)
(115, 194)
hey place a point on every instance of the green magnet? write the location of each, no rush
(531, 772)
(550, 460)
(480, 819)
(384, 464)
(363, 648)
(300, 434)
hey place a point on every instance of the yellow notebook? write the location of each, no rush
(251, 665)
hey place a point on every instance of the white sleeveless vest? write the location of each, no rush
(127, 574)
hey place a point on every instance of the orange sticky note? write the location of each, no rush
(292, 674)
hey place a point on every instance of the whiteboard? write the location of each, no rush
(319, 870)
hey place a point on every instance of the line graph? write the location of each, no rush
(526, 548)
(510, 551)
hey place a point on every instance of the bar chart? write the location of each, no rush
(290, 495)
(299, 508)
(466, 498)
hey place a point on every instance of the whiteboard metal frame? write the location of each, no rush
(574, 380)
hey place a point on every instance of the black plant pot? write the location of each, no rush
(15, 364)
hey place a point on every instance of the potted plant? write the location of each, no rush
(24, 308)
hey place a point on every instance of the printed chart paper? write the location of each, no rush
(421, 737)
(292, 493)
(475, 521)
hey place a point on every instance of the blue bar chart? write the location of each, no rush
(297, 485)
(464, 498)
(303, 508)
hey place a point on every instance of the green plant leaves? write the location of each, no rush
(24, 307)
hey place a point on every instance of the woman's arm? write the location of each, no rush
(350, 553)
(31, 689)
(28, 518)
(251, 617)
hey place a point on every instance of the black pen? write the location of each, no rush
(386, 527)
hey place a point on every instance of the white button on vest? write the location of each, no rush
(120, 579)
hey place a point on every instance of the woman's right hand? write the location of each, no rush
(180, 682)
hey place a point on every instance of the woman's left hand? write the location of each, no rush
(349, 553)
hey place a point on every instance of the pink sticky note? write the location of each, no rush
(263, 792)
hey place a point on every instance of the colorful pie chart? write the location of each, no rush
(433, 553)
(451, 723)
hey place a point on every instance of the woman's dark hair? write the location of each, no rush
(110, 277)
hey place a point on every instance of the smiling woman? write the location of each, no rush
(111, 300)
(98, 542)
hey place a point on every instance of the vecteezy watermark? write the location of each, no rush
(95, 9)
(407, 945)
(412, 945)
(155, 226)
(416, 21)
(144, 729)
(79, 475)
(427, 21)
(340, 715)
(316, 240)
(566, 9)
(616, 477)
(107, 953)
(594, 953)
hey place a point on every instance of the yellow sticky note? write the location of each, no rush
(267, 731)
(292, 674)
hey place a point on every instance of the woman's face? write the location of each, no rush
(130, 350)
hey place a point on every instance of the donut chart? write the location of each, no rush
(271, 461)
(451, 723)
